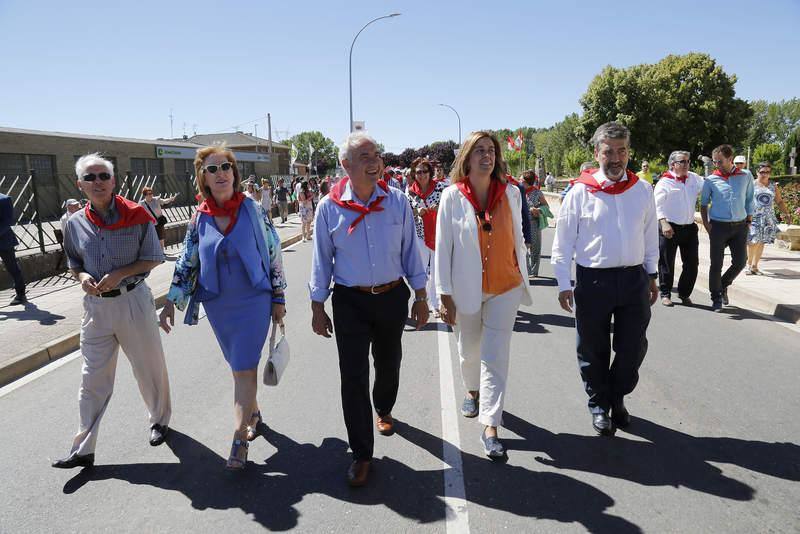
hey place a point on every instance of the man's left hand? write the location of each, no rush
(419, 313)
(109, 281)
(653, 292)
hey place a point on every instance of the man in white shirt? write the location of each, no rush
(676, 194)
(607, 221)
(550, 182)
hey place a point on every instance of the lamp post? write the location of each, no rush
(351, 60)
(459, 121)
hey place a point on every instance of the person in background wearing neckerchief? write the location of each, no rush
(608, 223)
(424, 193)
(480, 251)
(538, 213)
(365, 243)
(729, 190)
(111, 247)
(231, 262)
(676, 195)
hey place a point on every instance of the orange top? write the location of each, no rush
(500, 268)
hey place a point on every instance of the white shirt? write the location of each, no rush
(675, 201)
(602, 230)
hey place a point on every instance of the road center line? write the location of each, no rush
(457, 515)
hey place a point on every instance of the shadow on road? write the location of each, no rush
(533, 323)
(30, 312)
(667, 458)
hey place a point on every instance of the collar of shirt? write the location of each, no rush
(111, 215)
(348, 195)
(601, 177)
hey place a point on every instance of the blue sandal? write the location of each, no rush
(234, 462)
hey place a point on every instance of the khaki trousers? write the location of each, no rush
(128, 321)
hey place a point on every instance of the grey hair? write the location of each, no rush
(675, 154)
(586, 165)
(353, 141)
(610, 130)
(90, 160)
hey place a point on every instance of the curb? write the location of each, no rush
(24, 364)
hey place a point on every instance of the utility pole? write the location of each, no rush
(171, 135)
(269, 129)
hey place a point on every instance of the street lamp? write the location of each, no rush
(459, 121)
(351, 60)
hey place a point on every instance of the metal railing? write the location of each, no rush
(37, 202)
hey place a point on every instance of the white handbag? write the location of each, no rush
(278, 357)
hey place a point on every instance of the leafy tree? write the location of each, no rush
(772, 153)
(682, 102)
(792, 141)
(551, 144)
(326, 152)
(574, 158)
(390, 159)
(772, 122)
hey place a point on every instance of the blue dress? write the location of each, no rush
(234, 287)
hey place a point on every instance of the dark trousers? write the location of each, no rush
(360, 320)
(734, 236)
(685, 240)
(600, 295)
(12, 266)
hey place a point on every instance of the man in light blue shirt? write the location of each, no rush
(729, 190)
(365, 242)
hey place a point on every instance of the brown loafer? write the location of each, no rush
(385, 424)
(357, 473)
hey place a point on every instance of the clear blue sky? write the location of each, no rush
(116, 68)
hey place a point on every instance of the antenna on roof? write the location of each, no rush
(171, 134)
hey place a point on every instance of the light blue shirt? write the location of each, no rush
(381, 248)
(732, 199)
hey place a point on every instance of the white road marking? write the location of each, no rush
(455, 498)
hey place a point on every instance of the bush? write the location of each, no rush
(771, 152)
(790, 193)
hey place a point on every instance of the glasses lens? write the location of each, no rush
(682, 162)
(89, 177)
(104, 176)
(211, 168)
(226, 166)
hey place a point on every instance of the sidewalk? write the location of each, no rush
(47, 328)
(776, 292)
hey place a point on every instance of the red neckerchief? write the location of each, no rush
(611, 187)
(496, 191)
(429, 219)
(512, 179)
(130, 214)
(230, 208)
(530, 188)
(724, 176)
(668, 174)
(336, 196)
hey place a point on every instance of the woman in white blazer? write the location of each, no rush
(479, 251)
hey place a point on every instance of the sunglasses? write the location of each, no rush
(214, 168)
(486, 226)
(422, 172)
(681, 162)
(104, 176)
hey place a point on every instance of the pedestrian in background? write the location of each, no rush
(231, 262)
(266, 198)
(538, 210)
(365, 243)
(282, 197)
(111, 247)
(69, 206)
(607, 223)
(424, 194)
(479, 250)
(153, 205)
(676, 196)
(764, 227)
(645, 173)
(729, 191)
(550, 182)
(8, 242)
(306, 203)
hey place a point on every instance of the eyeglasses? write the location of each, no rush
(768, 171)
(214, 168)
(716, 161)
(420, 171)
(486, 226)
(681, 162)
(104, 176)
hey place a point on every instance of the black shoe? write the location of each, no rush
(158, 434)
(716, 306)
(725, 299)
(602, 424)
(74, 460)
(686, 301)
(18, 300)
(619, 414)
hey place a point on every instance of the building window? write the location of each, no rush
(147, 167)
(246, 168)
(184, 167)
(13, 165)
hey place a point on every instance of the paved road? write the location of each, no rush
(713, 446)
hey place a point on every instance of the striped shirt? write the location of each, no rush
(96, 251)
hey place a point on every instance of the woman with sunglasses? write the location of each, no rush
(764, 227)
(424, 193)
(479, 250)
(231, 263)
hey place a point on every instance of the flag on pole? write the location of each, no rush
(310, 153)
(511, 143)
(518, 141)
(293, 156)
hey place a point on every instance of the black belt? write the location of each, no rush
(120, 290)
(681, 225)
(731, 223)
(611, 269)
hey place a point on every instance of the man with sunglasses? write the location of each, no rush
(111, 247)
(8, 241)
(729, 191)
(676, 194)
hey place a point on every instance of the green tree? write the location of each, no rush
(574, 158)
(771, 152)
(682, 102)
(325, 155)
(772, 122)
(793, 141)
(551, 144)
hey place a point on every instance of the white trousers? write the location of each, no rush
(429, 262)
(128, 321)
(484, 343)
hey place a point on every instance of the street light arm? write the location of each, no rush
(459, 121)
(350, 65)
